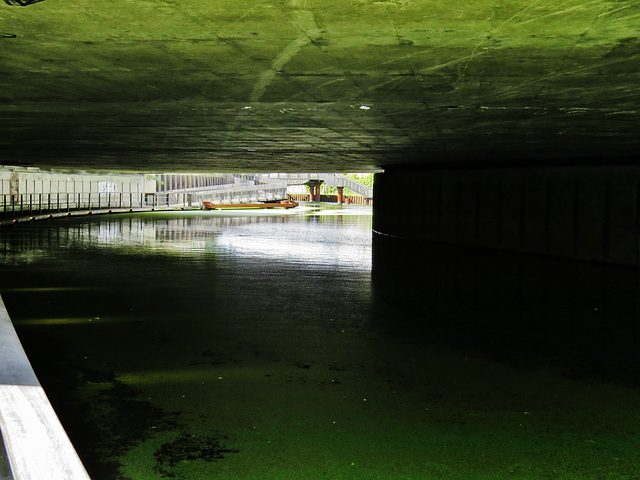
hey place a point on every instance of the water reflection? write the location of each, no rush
(312, 244)
(313, 241)
(516, 307)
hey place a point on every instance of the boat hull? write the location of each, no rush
(230, 206)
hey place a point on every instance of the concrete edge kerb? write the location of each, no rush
(36, 444)
(79, 213)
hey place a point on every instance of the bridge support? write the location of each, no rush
(314, 190)
(340, 195)
(579, 212)
(540, 259)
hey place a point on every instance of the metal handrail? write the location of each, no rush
(242, 193)
(30, 204)
(331, 179)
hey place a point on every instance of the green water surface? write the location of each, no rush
(200, 345)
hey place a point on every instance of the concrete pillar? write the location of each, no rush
(579, 212)
(535, 258)
(14, 186)
(314, 190)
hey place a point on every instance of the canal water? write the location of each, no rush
(257, 345)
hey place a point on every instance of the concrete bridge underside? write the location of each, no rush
(513, 124)
(316, 85)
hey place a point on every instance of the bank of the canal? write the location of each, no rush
(200, 345)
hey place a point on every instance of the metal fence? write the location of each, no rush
(242, 193)
(16, 206)
(330, 179)
(348, 199)
(171, 182)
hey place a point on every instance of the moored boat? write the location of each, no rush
(219, 206)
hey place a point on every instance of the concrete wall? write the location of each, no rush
(14, 180)
(585, 212)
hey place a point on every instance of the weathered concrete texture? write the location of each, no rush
(36, 444)
(586, 212)
(17, 181)
(163, 85)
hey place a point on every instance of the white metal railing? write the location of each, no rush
(41, 203)
(356, 186)
(331, 179)
(193, 182)
(15, 206)
(239, 185)
(242, 193)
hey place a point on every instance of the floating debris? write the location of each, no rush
(188, 447)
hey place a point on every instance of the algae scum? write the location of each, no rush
(188, 447)
(107, 417)
(194, 347)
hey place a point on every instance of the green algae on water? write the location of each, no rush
(188, 447)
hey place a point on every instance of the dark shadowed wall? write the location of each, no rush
(581, 212)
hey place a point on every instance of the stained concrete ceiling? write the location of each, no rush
(316, 85)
